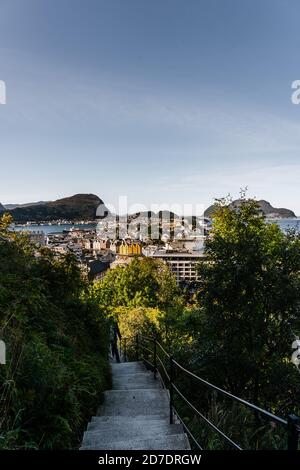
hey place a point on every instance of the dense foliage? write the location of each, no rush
(143, 282)
(249, 297)
(238, 332)
(144, 288)
(56, 347)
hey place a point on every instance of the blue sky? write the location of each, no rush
(165, 101)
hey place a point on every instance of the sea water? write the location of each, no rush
(284, 224)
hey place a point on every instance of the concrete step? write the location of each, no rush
(99, 422)
(111, 433)
(134, 402)
(134, 415)
(120, 419)
(135, 381)
(126, 368)
(160, 442)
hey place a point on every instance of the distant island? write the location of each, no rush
(74, 208)
(265, 208)
(83, 207)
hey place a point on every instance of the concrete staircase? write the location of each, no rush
(134, 415)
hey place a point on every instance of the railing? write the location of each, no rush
(149, 350)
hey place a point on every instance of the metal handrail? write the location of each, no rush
(292, 423)
(234, 397)
(188, 431)
(164, 369)
(145, 348)
(213, 426)
(161, 347)
(148, 362)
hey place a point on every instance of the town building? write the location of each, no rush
(97, 268)
(182, 264)
(182, 255)
(130, 248)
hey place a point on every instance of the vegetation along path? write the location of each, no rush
(134, 415)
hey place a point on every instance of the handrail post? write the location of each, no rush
(293, 431)
(137, 347)
(155, 359)
(125, 350)
(171, 388)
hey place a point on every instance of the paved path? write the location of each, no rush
(134, 415)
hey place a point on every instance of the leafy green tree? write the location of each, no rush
(142, 283)
(249, 299)
(137, 321)
(57, 347)
(143, 289)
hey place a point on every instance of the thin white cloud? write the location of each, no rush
(275, 183)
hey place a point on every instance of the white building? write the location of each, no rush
(182, 264)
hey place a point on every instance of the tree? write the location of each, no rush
(249, 297)
(142, 283)
(132, 321)
(57, 347)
